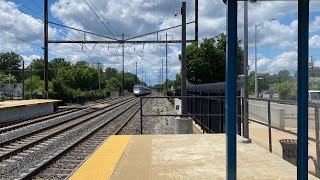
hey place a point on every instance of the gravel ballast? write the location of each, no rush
(153, 125)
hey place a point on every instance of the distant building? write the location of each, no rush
(12, 89)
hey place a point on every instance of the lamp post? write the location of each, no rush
(255, 56)
(259, 80)
(10, 91)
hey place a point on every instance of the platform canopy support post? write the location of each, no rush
(303, 80)
(231, 91)
(45, 47)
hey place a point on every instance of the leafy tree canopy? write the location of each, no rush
(4, 78)
(207, 63)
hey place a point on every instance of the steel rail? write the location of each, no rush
(52, 134)
(36, 170)
(5, 127)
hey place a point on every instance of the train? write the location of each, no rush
(139, 90)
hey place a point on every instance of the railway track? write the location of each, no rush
(11, 147)
(28, 126)
(63, 163)
(5, 127)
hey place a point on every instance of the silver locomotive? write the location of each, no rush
(139, 90)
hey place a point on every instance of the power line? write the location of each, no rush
(76, 29)
(224, 23)
(20, 39)
(98, 18)
(103, 18)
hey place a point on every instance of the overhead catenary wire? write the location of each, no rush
(99, 18)
(104, 19)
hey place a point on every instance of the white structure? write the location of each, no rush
(13, 89)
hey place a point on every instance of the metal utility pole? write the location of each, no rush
(183, 125)
(183, 61)
(255, 64)
(46, 46)
(312, 67)
(142, 75)
(196, 37)
(99, 75)
(246, 138)
(122, 63)
(137, 71)
(161, 72)
(23, 79)
(145, 78)
(166, 61)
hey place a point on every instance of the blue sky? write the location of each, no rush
(276, 39)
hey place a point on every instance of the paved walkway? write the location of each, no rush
(194, 156)
(259, 134)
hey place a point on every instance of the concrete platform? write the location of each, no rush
(196, 156)
(25, 109)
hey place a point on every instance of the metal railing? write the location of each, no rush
(316, 107)
(199, 115)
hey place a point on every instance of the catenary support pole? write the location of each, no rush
(123, 64)
(183, 125)
(23, 77)
(45, 48)
(196, 38)
(162, 74)
(137, 72)
(231, 93)
(303, 79)
(167, 61)
(99, 75)
(246, 138)
(183, 61)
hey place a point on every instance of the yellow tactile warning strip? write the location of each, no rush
(101, 164)
(9, 104)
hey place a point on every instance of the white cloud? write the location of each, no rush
(28, 59)
(314, 41)
(284, 61)
(137, 17)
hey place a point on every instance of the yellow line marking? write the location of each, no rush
(8, 104)
(101, 164)
(100, 105)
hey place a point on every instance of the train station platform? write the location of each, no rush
(25, 109)
(194, 156)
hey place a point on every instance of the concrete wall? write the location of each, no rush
(282, 115)
(25, 112)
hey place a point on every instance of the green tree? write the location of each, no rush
(13, 61)
(284, 75)
(55, 65)
(37, 68)
(177, 81)
(207, 63)
(111, 72)
(287, 90)
(80, 76)
(129, 81)
(263, 80)
(113, 84)
(6, 78)
(33, 83)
